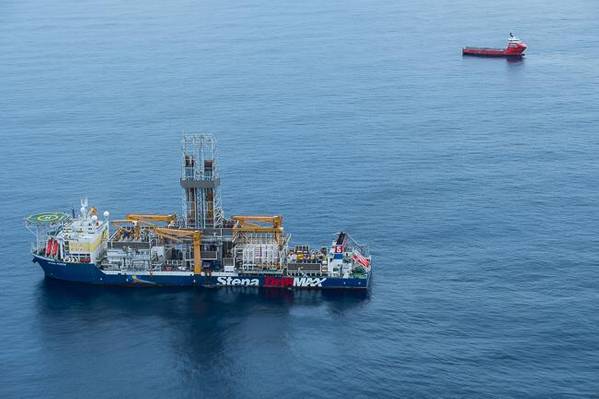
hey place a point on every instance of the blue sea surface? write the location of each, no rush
(474, 181)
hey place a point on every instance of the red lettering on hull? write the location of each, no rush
(278, 281)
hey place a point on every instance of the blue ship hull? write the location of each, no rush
(89, 273)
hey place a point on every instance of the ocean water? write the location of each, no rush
(475, 183)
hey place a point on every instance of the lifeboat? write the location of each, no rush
(54, 248)
(515, 48)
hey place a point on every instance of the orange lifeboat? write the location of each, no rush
(54, 247)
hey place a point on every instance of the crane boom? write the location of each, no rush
(270, 224)
(180, 234)
(147, 218)
(275, 221)
(170, 218)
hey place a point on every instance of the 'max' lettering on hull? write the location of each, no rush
(308, 281)
(246, 282)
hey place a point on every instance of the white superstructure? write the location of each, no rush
(85, 238)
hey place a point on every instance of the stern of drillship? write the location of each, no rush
(347, 283)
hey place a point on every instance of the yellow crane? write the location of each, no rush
(135, 227)
(181, 234)
(275, 221)
(149, 220)
(168, 219)
(270, 224)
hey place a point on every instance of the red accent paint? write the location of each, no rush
(361, 259)
(278, 281)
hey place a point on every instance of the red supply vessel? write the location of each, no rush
(515, 48)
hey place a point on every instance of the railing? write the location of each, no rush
(198, 173)
(175, 265)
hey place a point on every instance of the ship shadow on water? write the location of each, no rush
(515, 60)
(210, 336)
(168, 302)
(508, 60)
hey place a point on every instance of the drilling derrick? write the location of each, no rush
(200, 182)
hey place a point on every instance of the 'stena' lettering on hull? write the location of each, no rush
(233, 281)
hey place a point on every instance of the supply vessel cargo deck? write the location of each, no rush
(201, 248)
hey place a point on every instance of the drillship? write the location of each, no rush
(202, 248)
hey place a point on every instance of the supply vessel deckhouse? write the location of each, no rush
(201, 248)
